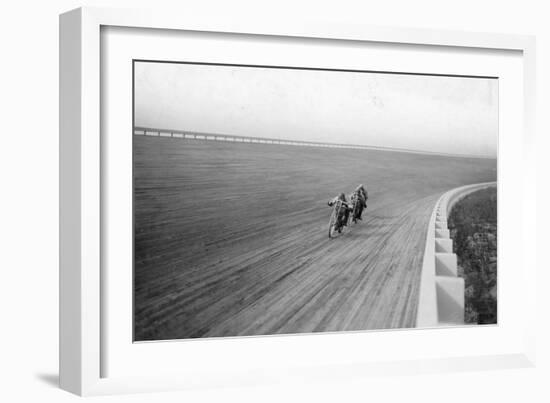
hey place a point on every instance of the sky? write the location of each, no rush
(452, 115)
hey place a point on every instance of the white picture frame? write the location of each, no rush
(82, 343)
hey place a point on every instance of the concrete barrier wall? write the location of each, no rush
(441, 301)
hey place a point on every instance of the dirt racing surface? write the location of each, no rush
(232, 238)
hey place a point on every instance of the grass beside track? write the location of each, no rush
(473, 225)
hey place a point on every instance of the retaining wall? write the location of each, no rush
(441, 301)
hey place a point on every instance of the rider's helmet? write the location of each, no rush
(342, 196)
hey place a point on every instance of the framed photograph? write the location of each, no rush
(253, 202)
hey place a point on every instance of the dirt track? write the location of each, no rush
(231, 238)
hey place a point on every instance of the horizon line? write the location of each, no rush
(186, 134)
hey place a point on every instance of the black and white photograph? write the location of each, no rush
(273, 200)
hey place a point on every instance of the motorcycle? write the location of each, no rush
(352, 218)
(337, 218)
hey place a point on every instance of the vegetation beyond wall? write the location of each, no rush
(473, 227)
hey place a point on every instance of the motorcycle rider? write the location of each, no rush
(344, 212)
(361, 193)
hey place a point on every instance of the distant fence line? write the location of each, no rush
(147, 131)
(154, 132)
